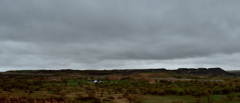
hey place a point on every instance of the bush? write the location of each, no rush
(238, 96)
(209, 99)
(198, 100)
(180, 91)
(30, 100)
(230, 97)
(7, 87)
(125, 94)
(63, 94)
(91, 94)
(57, 90)
(138, 101)
(120, 97)
(3, 97)
(144, 92)
(131, 98)
(111, 98)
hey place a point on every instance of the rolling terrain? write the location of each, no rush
(212, 85)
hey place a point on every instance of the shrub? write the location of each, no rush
(120, 97)
(180, 91)
(111, 98)
(138, 101)
(102, 92)
(63, 94)
(198, 100)
(7, 87)
(238, 96)
(80, 84)
(209, 99)
(125, 94)
(177, 102)
(3, 97)
(91, 94)
(57, 90)
(131, 98)
(230, 96)
(30, 100)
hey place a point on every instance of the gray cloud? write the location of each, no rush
(93, 34)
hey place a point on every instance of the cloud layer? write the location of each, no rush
(107, 34)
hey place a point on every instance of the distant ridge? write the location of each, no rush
(193, 71)
(203, 71)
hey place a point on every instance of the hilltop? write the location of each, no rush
(189, 71)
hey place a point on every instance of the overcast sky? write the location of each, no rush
(117, 34)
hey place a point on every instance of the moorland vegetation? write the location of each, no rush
(70, 86)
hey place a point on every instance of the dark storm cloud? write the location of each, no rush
(93, 34)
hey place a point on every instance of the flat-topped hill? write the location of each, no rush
(202, 71)
(193, 71)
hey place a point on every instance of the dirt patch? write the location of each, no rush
(158, 75)
(123, 100)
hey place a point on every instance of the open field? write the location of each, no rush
(137, 87)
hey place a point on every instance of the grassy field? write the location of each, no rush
(135, 88)
(187, 99)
